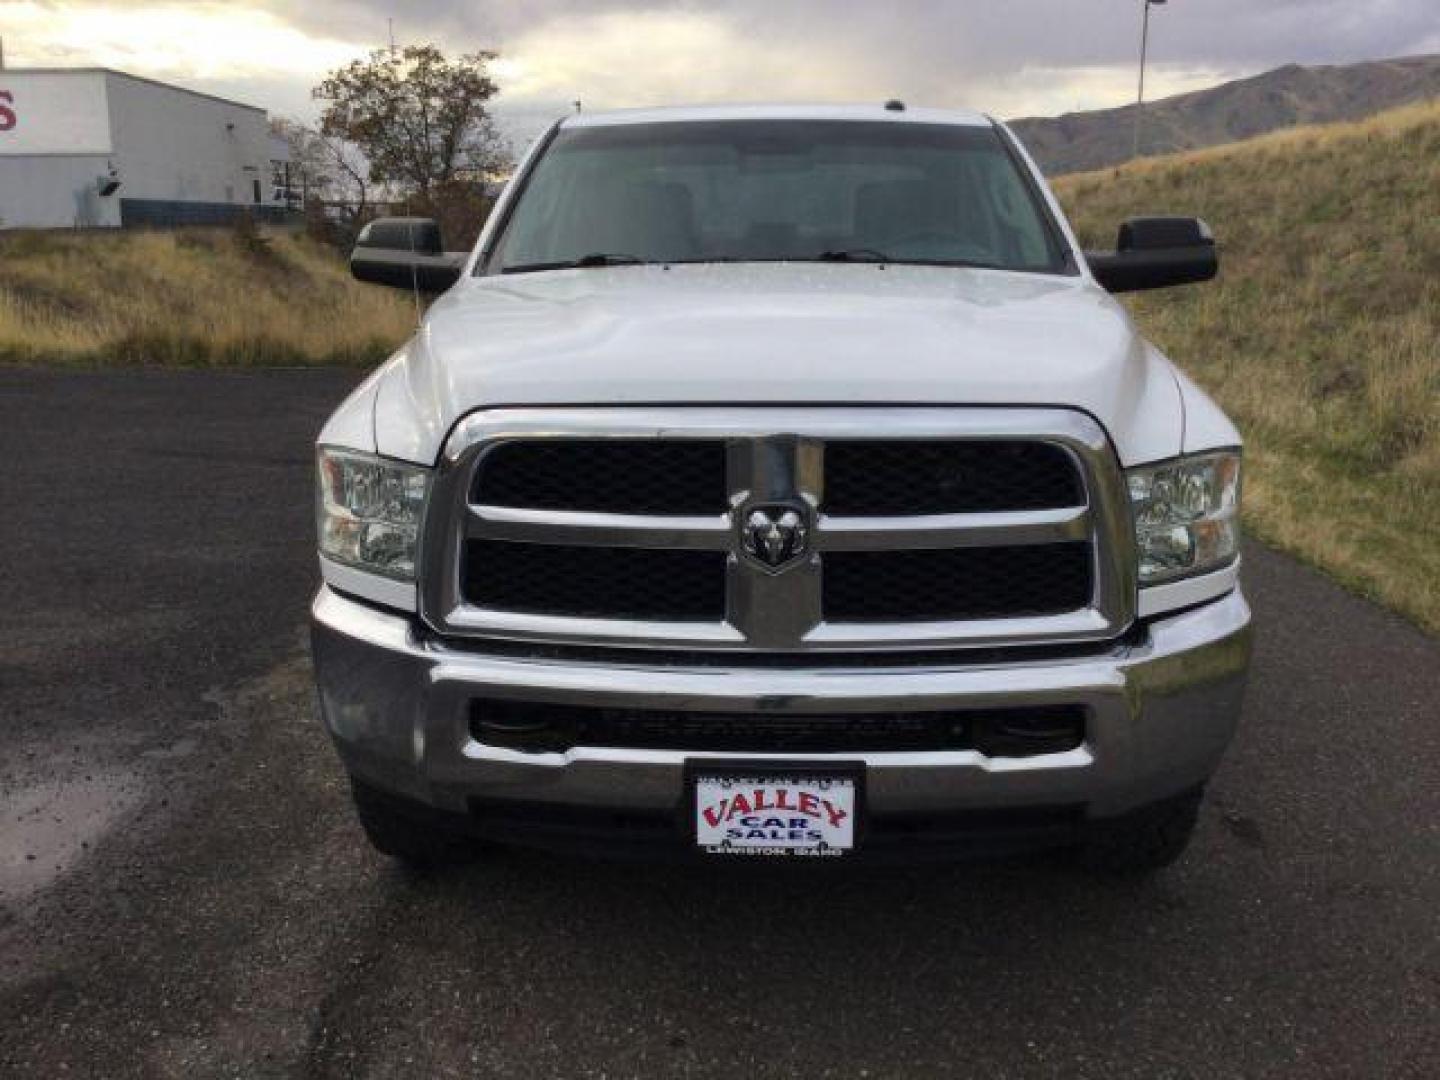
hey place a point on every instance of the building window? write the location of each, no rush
(256, 187)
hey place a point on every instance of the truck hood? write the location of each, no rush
(777, 333)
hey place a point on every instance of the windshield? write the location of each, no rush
(777, 190)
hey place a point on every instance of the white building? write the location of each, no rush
(93, 148)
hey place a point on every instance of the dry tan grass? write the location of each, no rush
(189, 298)
(1322, 336)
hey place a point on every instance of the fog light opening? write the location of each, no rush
(1030, 733)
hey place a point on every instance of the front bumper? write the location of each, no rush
(1160, 714)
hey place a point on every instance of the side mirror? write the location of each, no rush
(1155, 253)
(405, 253)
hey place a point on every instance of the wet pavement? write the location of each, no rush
(183, 891)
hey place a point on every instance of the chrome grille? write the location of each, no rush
(623, 544)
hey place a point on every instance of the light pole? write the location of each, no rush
(1140, 96)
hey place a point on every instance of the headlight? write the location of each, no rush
(369, 511)
(1186, 515)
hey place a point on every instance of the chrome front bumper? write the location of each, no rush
(1160, 714)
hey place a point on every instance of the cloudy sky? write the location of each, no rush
(1008, 57)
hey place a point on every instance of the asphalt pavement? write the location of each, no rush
(183, 891)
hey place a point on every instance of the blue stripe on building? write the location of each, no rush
(165, 213)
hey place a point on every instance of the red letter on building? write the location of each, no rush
(7, 114)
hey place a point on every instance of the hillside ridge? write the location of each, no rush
(1284, 97)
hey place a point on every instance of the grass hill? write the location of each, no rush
(1241, 109)
(191, 298)
(1322, 336)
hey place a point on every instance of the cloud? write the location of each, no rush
(622, 59)
(203, 40)
(220, 47)
(1009, 57)
(935, 54)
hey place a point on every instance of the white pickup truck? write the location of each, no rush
(780, 482)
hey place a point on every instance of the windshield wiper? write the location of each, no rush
(584, 262)
(853, 255)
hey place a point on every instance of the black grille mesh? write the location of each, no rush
(958, 583)
(876, 478)
(538, 727)
(626, 476)
(595, 582)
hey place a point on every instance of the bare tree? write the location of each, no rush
(333, 175)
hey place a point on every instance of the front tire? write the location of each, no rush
(407, 837)
(1144, 841)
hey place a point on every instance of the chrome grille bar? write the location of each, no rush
(1011, 529)
(573, 527)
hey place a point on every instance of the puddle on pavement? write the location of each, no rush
(47, 827)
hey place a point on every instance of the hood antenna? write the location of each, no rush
(414, 271)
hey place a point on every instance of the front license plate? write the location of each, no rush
(775, 814)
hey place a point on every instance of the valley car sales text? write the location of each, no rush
(756, 817)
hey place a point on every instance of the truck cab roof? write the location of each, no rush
(876, 111)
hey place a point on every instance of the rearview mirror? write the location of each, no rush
(405, 253)
(1155, 253)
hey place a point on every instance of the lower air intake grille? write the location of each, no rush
(956, 584)
(534, 727)
(595, 582)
